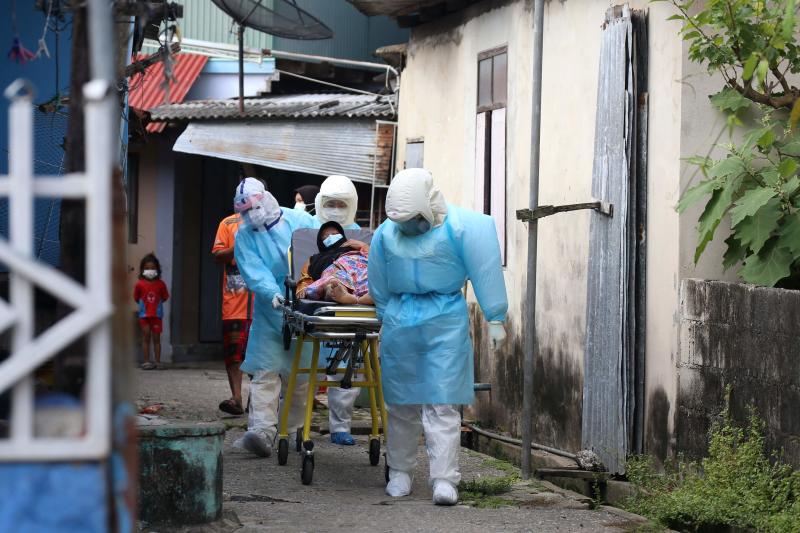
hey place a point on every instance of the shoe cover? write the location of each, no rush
(342, 438)
(444, 493)
(255, 442)
(399, 484)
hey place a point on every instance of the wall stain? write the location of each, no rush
(657, 437)
(558, 387)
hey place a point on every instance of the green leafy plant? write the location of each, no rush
(752, 44)
(737, 485)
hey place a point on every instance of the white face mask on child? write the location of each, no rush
(150, 274)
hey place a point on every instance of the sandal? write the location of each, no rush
(147, 366)
(231, 407)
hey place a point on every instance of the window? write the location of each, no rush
(133, 198)
(492, 79)
(415, 153)
(490, 139)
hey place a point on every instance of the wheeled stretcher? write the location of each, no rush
(350, 331)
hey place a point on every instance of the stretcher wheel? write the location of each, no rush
(287, 336)
(307, 474)
(374, 452)
(283, 451)
(298, 440)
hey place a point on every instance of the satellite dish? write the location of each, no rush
(283, 18)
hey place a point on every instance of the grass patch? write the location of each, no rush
(484, 492)
(737, 485)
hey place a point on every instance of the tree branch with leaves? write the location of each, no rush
(753, 45)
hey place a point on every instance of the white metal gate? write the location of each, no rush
(91, 303)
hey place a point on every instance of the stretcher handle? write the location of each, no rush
(290, 286)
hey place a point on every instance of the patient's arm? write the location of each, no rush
(366, 300)
(357, 245)
(304, 281)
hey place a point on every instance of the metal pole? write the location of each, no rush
(530, 338)
(241, 69)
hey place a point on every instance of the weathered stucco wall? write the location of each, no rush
(438, 103)
(746, 337)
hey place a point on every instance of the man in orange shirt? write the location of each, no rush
(237, 311)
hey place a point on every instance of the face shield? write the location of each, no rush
(334, 210)
(337, 201)
(257, 207)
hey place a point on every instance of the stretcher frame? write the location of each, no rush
(349, 323)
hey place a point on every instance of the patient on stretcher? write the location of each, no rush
(338, 273)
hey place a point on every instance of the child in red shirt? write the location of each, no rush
(150, 293)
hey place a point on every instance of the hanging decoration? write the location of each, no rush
(18, 52)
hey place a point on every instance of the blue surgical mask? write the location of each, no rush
(330, 240)
(415, 226)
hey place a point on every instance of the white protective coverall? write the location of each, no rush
(419, 261)
(340, 189)
(261, 253)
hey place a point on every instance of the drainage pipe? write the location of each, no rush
(518, 442)
(528, 364)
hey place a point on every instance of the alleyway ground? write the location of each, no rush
(347, 494)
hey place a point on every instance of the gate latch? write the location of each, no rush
(527, 215)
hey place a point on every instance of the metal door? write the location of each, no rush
(614, 355)
(219, 182)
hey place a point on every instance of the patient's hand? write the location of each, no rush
(341, 295)
(358, 245)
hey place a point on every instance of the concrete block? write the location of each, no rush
(617, 492)
(180, 473)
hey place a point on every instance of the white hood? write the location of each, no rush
(337, 188)
(413, 193)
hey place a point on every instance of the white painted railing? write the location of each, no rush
(91, 302)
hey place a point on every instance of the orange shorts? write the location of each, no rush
(153, 323)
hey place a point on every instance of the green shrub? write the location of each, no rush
(736, 485)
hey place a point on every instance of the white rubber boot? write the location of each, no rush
(399, 484)
(256, 442)
(444, 493)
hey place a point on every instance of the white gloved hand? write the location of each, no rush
(277, 301)
(497, 333)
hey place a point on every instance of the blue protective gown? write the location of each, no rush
(416, 282)
(262, 258)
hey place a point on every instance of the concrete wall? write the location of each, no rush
(438, 103)
(746, 337)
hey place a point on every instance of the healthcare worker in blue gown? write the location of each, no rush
(261, 253)
(418, 263)
(337, 201)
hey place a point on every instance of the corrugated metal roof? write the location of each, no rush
(286, 106)
(146, 88)
(321, 147)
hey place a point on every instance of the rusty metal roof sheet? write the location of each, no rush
(329, 105)
(314, 146)
(146, 88)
